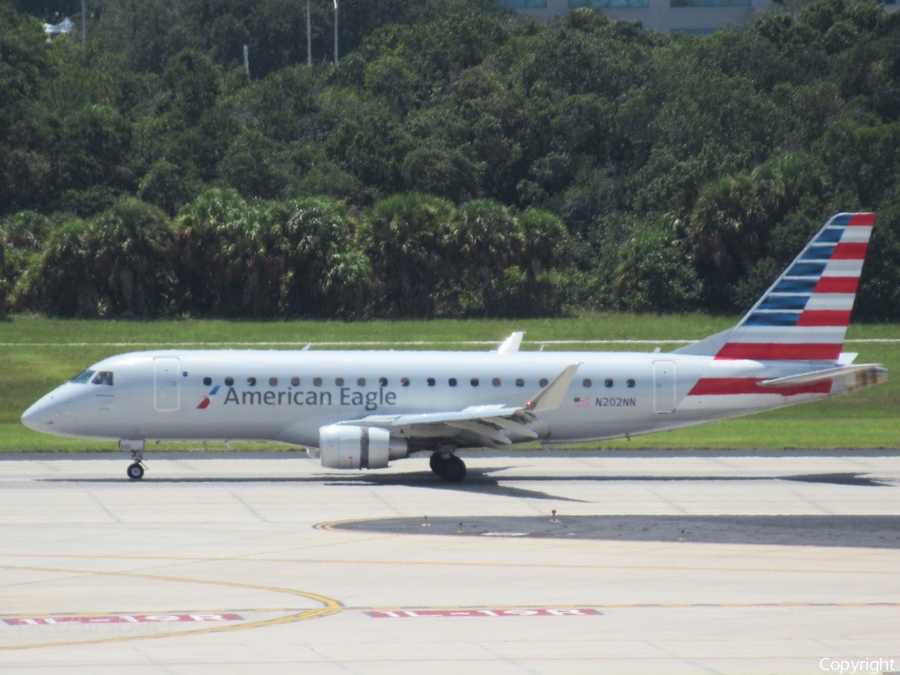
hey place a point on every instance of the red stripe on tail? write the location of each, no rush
(850, 251)
(780, 351)
(863, 219)
(824, 317)
(837, 285)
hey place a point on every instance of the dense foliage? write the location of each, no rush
(460, 160)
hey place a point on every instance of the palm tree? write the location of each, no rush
(487, 240)
(404, 236)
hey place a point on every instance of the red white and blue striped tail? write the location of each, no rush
(804, 315)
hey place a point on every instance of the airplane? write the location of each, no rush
(363, 409)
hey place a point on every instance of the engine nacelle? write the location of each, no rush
(348, 447)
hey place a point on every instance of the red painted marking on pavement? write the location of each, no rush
(435, 613)
(122, 618)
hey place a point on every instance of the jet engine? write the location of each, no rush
(349, 447)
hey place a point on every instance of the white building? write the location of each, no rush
(698, 17)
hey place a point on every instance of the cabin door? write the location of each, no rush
(664, 387)
(166, 396)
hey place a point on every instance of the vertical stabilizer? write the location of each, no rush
(805, 313)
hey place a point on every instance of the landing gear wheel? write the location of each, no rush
(135, 471)
(437, 462)
(454, 469)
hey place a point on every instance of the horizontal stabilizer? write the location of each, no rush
(511, 344)
(854, 377)
(707, 347)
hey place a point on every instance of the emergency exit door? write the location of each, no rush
(664, 387)
(166, 397)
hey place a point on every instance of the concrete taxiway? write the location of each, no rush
(703, 562)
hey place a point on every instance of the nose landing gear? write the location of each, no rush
(447, 465)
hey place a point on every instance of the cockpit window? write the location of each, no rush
(83, 377)
(103, 377)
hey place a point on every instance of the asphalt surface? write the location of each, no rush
(227, 563)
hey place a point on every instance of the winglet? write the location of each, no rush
(551, 396)
(511, 344)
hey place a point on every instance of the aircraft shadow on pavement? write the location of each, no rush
(482, 481)
(787, 530)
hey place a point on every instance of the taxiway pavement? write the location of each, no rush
(272, 564)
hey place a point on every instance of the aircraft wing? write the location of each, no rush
(484, 425)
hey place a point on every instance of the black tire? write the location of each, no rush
(135, 471)
(454, 469)
(437, 463)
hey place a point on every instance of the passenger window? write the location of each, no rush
(103, 377)
(83, 377)
(382, 382)
(587, 383)
(229, 381)
(520, 382)
(496, 382)
(629, 384)
(608, 382)
(339, 381)
(452, 381)
(543, 382)
(474, 381)
(317, 381)
(431, 382)
(295, 381)
(404, 381)
(207, 381)
(361, 381)
(273, 381)
(251, 381)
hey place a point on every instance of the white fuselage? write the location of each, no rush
(287, 396)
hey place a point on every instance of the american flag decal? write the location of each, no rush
(582, 402)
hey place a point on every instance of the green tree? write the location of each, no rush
(486, 240)
(655, 271)
(405, 237)
(116, 264)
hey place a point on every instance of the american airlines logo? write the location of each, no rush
(205, 402)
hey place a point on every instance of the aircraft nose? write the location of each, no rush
(40, 416)
(30, 417)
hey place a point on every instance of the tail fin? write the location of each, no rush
(805, 313)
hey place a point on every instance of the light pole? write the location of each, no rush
(84, 20)
(308, 35)
(335, 32)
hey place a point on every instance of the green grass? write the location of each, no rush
(37, 354)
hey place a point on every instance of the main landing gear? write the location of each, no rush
(136, 468)
(447, 465)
